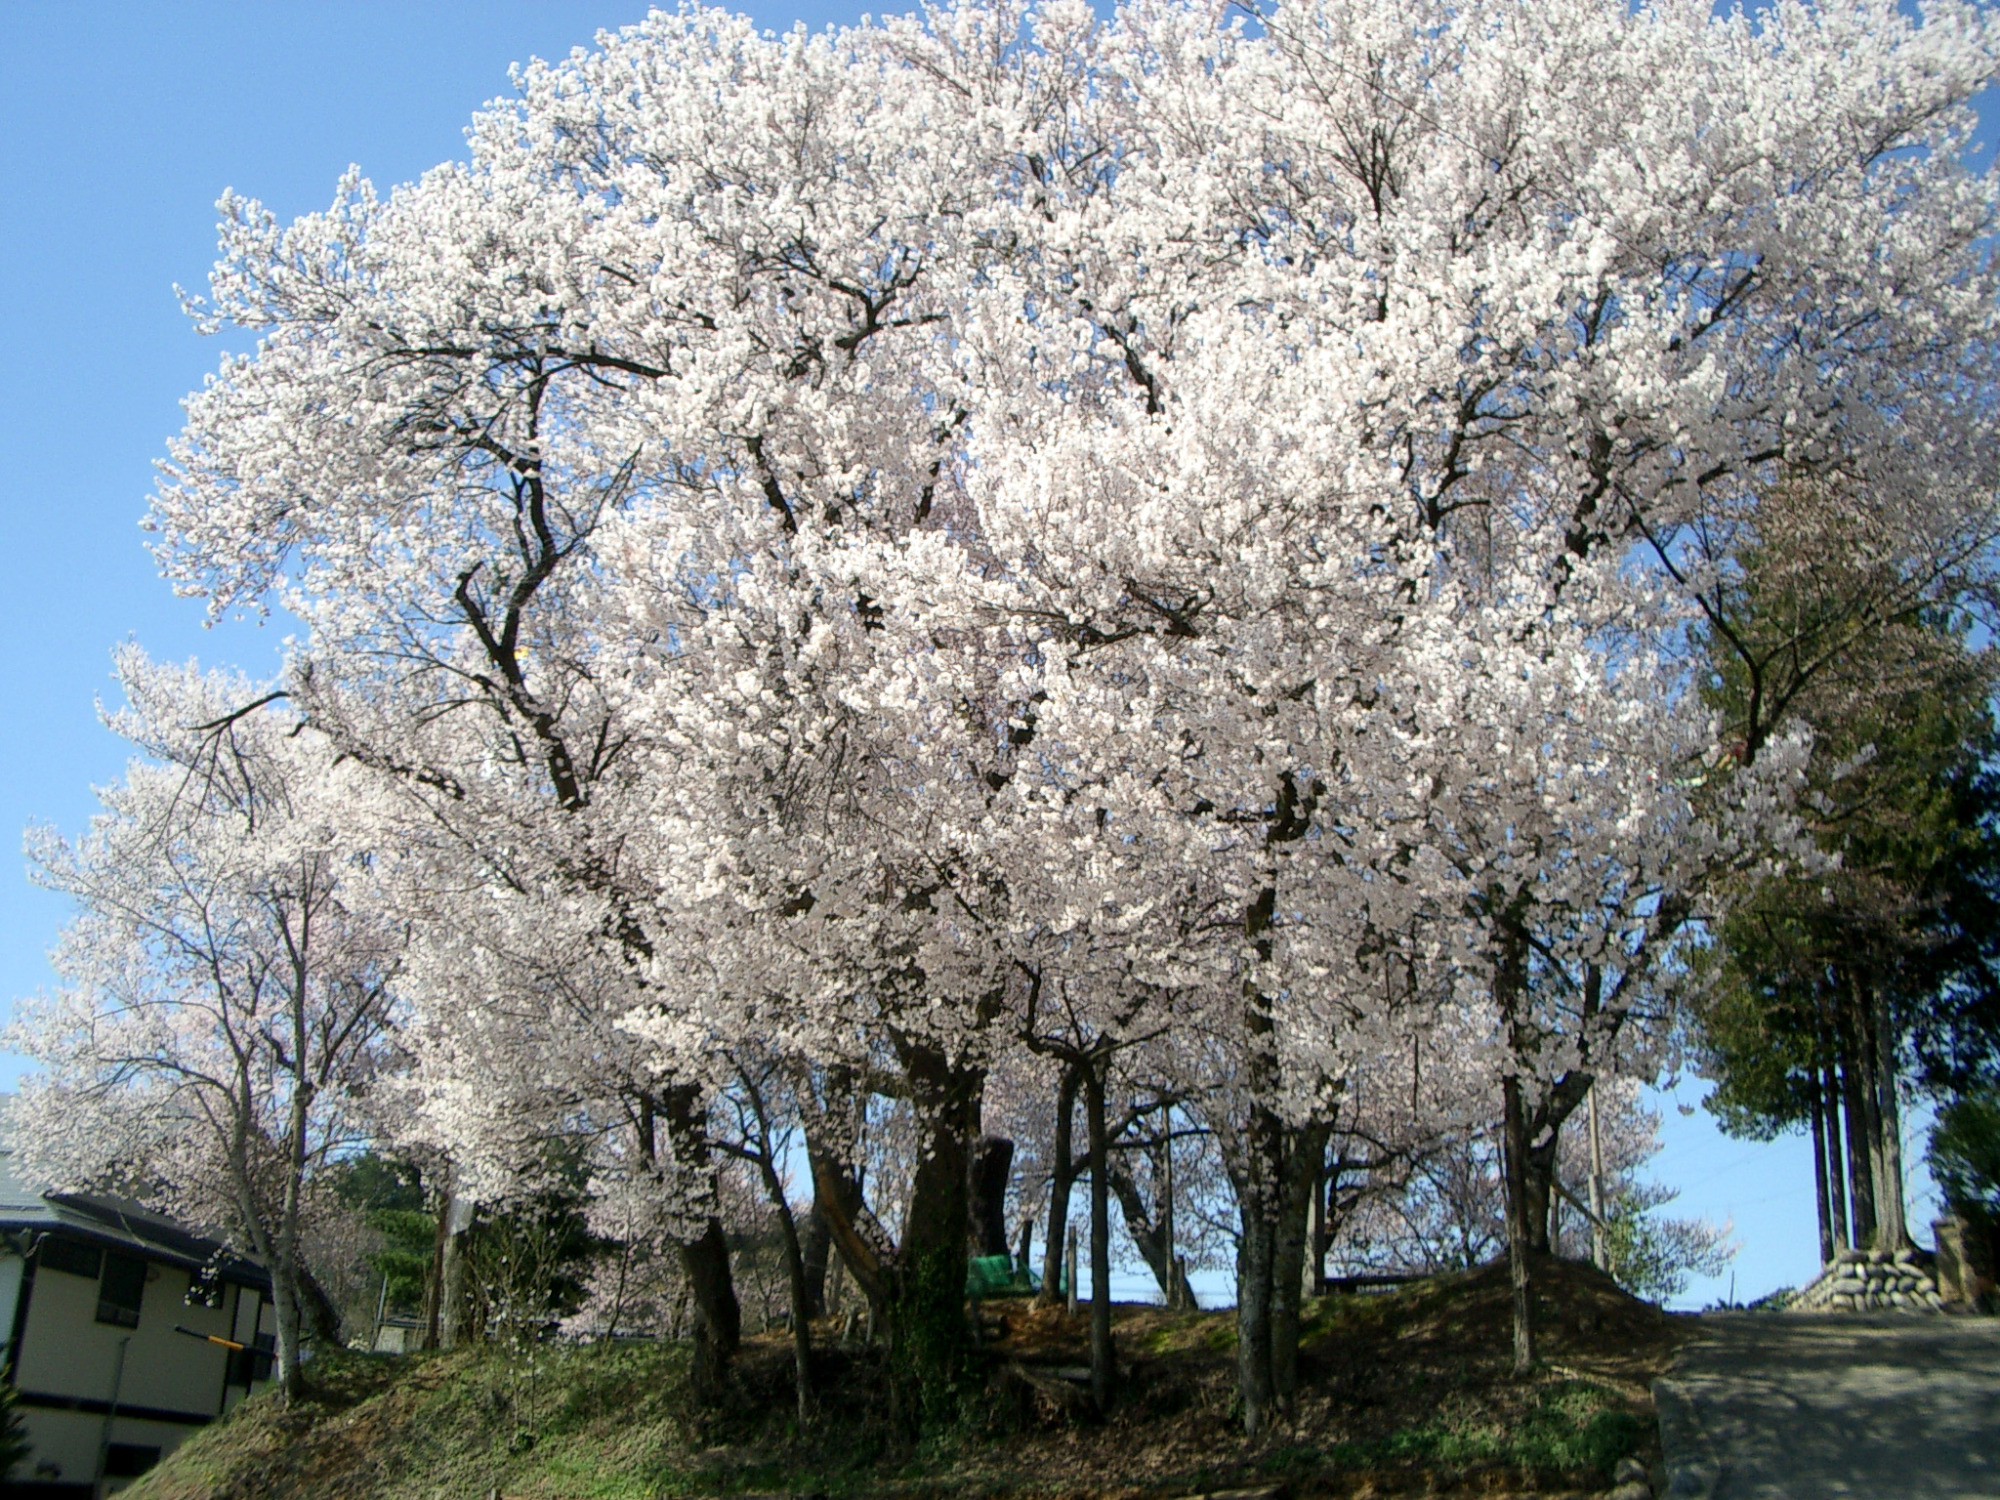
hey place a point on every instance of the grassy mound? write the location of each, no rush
(1401, 1393)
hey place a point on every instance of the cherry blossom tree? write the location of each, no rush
(228, 1000)
(826, 540)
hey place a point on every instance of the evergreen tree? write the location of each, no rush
(1829, 986)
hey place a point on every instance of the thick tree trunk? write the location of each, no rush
(451, 1275)
(1273, 1174)
(838, 1205)
(1103, 1366)
(1538, 1188)
(1509, 987)
(1062, 1177)
(926, 1303)
(718, 1326)
(816, 1252)
(838, 1213)
(1544, 1126)
(992, 1164)
(718, 1317)
(1860, 1165)
(1514, 1152)
(1261, 1191)
(1871, 1106)
(1892, 1232)
(1304, 1158)
(285, 1307)
(1258, 1181)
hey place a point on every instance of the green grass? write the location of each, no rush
(1574, 1427)
(1413, 1379)
(595, 1423)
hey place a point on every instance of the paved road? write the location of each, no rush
(1818, 1406)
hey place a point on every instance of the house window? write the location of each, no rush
(120, 1290)
(251, 1364)
(204, 1290)
(72, 1256)
(128, 1460)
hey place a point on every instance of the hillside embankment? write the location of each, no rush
(1402, 1393)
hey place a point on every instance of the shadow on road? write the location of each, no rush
(1806, 1406)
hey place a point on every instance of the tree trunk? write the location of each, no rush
(991, 1165)
(1257, 1181)
(1304, 1159)
(1062, 1177)
(839, 1205)
(1892, 1232)
(1543, 1129)
(718, 1317)
(451, 1275)
(1836, 1177)
(285, 1264)
(1180, 1296)
(1600, 1253)
(1514, 1152)
(1273, 1173)
(285, 1307)
(816, 1250)
(434, 1276)
(1537, 1188)
(1860, 1167)
(1871, 1106)
(1103, 1369)
(1152, 1233)
(926, 1304)
(1319, 1228)
(797, 1283)
(1821, 1199)
(839, 1208)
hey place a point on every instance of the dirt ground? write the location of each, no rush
(1402, 1393)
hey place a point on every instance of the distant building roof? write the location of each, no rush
(112, 1221)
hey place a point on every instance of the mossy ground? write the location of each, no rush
(1402, 1393)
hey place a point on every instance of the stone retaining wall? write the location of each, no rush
(1871, 1280)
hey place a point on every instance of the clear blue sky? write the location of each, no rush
(120, 124)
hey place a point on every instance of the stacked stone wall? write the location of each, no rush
(1871, 1281)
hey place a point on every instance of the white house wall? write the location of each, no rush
(66, 1444)
(68, 1359)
